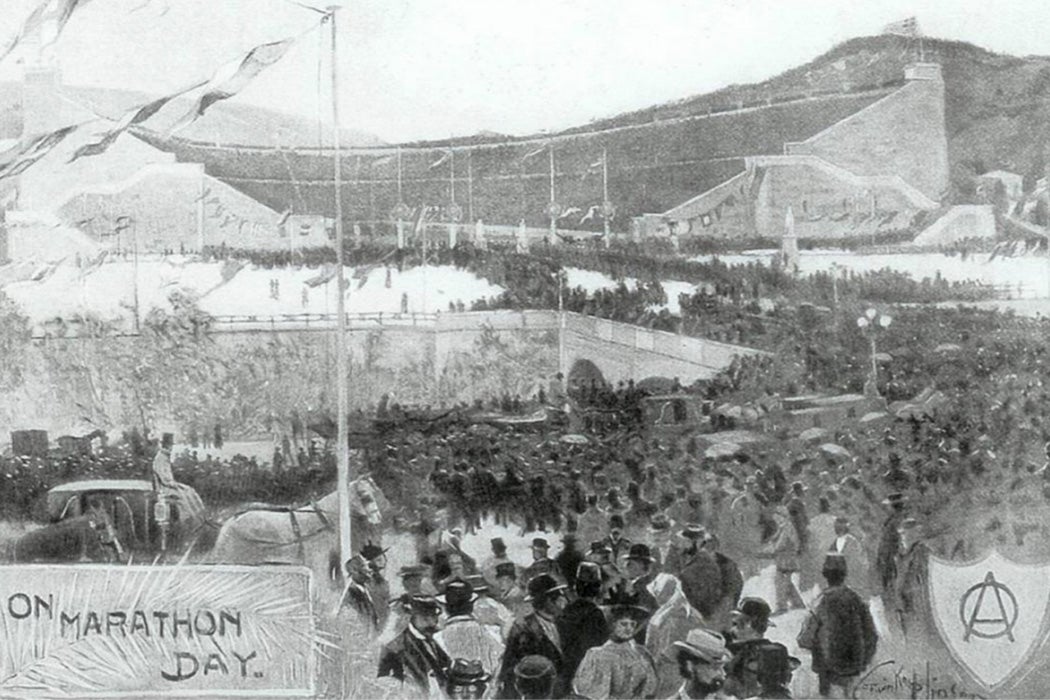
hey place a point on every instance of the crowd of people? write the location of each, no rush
(641, 601)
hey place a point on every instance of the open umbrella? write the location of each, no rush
(722, 450)
(947, 347)
(833, 450)
(812, 435)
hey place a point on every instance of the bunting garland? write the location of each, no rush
(232, 78)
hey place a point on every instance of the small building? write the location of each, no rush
(1013, 185)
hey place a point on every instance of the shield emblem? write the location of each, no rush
(992, 614)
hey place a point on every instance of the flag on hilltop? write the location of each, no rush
(131, 118)
(59, 10)
(34, 151)
(234, 77)
(905, 27)
(421, 220)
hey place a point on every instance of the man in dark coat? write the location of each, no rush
(582, 624)
(536, 633)
(840, 632)
(568, 559)
(413, 656)
(889, 549)
(745, 637)
(700, 575)
(541, 563)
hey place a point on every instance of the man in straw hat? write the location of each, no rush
(413, 656)
(620, 668)
(840, 632)
(463, 637)
(702, 657)
(536, 633)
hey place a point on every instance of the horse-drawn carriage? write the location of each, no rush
(112, 520)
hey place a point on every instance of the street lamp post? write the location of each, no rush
(871, 323)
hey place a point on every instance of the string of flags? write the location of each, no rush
(58, 10)
(233, 77)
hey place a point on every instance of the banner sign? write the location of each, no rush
(135, 631)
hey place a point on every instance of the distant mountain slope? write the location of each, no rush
(226, 122)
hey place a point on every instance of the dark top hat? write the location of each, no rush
(467, 672)
(506, 569)
(588, 572)
(599, 547)
(371, 551)
(834, 562)
(498, 544)
(616, 521)
(543, 586)
(640, 552)
(541, 543)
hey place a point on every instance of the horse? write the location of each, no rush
(90, 537)
(306, 535)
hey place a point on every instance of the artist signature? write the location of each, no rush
(902, 682)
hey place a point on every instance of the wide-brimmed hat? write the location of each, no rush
(534, 667)
(705, 645)
(423, 604)
(755, 609)
(457, 593)
(477, 582)
(773, 660)
(694, 531)
(467, 671)
(618, 611)
(543, 586)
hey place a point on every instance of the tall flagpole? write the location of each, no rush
(552, 208)
(342, 370)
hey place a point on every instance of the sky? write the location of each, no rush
(430, 69)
